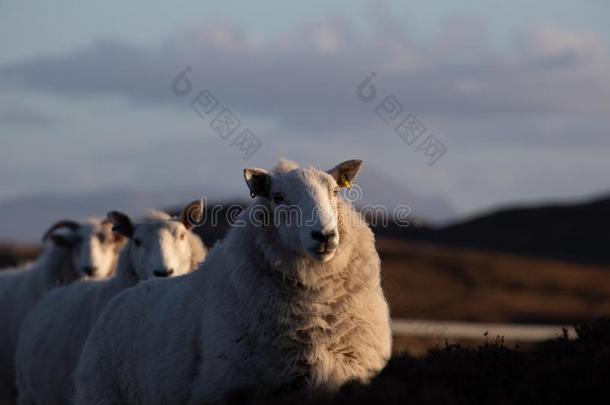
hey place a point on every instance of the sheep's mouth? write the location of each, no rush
(322, 252)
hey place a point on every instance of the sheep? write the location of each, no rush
(97, 249)
(276, 304)
(54, 332)
(72, 251)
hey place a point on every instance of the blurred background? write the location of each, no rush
(487, 119)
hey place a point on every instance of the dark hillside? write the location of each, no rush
(578, 232)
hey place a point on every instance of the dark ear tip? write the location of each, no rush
(193, 212)
(64, 223)
(115, 216)
(247, 174)
(58, 240)
(120, 223)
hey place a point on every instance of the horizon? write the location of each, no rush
(29, 232)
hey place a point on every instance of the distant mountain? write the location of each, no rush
(378, 189)
(577, 232)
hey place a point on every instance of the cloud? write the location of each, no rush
(17, 115)
(307, 78)
(512, 118)
(550, 46)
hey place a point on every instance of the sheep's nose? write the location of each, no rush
(323, 237)
(163, 273)
(89, 270)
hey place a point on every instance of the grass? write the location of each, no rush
(428, 281)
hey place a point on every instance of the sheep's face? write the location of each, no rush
(160, 249)
(304, 205)
(161, 246)
(95, 249)
(91, 247)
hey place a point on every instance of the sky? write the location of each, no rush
(517, 97)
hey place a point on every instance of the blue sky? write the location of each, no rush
(518, 94)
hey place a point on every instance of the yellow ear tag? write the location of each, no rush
(344, 182)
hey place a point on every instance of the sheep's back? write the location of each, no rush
(51, 338)
(16, 299)
(151, 333)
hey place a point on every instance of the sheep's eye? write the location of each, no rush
(182, 236)
(101, 237)
(335, 191)
(137, 242)
(277, 198)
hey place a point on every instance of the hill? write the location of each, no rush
(426, 281)
(577, 232)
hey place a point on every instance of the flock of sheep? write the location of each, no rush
(140, 313)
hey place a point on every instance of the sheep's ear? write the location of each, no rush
(59, 240)
(64, 223)
(258, 181)
(117, 239)
(121, 224)
(192, 214)
(344, 173)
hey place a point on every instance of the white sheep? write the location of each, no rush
(72, 251)
(54, 332)
(97, 248)
(277, 303)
